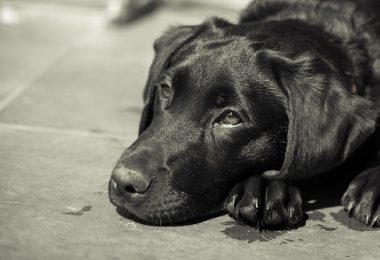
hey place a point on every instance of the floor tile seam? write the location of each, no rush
(66, 131)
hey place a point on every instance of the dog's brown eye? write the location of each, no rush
(231, 118)
(166, 92)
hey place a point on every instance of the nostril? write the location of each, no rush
(129, 189)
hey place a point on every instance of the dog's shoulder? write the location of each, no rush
(354, 24)
(348, 12)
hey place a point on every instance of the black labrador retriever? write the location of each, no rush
(235, 113)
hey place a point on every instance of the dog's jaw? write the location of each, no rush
(174, 207)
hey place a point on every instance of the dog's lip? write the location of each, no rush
(158, 217)
(141, 212)
(174, 217)
(154, 217)
(165, 212)
(123, 203)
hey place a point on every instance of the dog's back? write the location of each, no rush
(349, 12)
(356, 24)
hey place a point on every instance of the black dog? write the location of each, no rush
(235, 112)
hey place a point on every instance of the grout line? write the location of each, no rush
(14, 202)
(48, 9)
(72, 132)
(19, 90)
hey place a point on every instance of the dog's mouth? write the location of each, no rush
(168, 208)
(160, 217)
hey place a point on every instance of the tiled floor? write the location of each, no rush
(70, 99)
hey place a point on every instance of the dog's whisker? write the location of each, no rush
(150, 218)
(167, 213)
(114, 164)
(117, 141)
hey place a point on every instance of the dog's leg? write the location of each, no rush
(362, 198)
(270, 204)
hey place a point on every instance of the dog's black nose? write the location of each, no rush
(129, 182)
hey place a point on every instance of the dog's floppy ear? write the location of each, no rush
(327, 122)
(164, 47)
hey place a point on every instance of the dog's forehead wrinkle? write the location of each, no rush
(214, 45)
(192, 83)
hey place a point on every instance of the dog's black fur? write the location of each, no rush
(235, 112)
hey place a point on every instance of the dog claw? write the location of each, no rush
(367, 222)
(350, 208)
(361, 197)
(230, 205)
(246, 202)
(374, 221)
(256, 203)
(291, 213)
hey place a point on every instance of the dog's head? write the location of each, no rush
(225, 101)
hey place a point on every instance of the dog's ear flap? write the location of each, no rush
(327, 122)
(164, 47)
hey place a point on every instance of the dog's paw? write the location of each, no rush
(267, 204)
(362, 198)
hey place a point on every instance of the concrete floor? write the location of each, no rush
(70, 99)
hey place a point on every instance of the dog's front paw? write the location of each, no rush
(362, 198)
(268, 204)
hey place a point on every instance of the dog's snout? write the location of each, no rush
(128, 182)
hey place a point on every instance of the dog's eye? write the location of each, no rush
(166, 91)
(230, 118)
